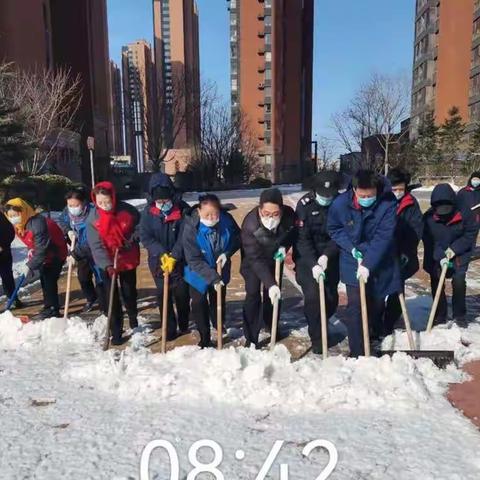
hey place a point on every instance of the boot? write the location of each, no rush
(50, 312)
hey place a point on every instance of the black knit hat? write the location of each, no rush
(272, 195)
(162, 193)
(398, 176)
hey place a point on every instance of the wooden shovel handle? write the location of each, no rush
(406, 319)
(323, 316)
(166, 286)
(276, 305)
(363, 303)
(69, 281)
(113, 285)
(436, 300)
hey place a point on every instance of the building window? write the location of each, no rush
(421, 48)
(475, 86)
(268, 20)
(419, 98)
(476, 29)
(268, 39)
(420, 73)
(476, 57)
(475, 112)
(268, 74)
(268, 56)
(234, 83)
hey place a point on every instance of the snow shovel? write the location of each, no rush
(69, 281)
(363, 302)
(219, 312)
(166, 286)
(323, 316)
(436, 300)
(276, 306)
(113, 284)
(440, 358)
(11, 300)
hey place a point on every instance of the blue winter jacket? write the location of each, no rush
(161, 233)
(201, 257)
(82, 249)
(372, 232)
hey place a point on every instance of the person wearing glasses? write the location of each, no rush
(267, 233)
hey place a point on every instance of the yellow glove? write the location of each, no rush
(167, 263)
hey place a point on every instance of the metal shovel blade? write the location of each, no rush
(441, 358)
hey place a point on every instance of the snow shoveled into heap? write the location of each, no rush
(247, 376)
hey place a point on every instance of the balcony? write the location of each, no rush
(261, 86)
(261, 69)
(261, 17)
(261, 34)
(261, 104)
(261, 120)
(261, 52)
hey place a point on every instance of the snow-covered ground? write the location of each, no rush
(69, 410)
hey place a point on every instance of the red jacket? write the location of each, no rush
(109, 231)
(45, 242)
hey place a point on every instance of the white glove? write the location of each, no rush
(274, 293)
(363, 273)
(323, 262)
(71, 235)
(71, 261)
(449, 253)
(445, 262)
(218, 286)
(317, 272)
(222, 260)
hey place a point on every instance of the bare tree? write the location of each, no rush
(377, 109)
(227, 151)
(175, 108)
(326, 153)
(46, 102)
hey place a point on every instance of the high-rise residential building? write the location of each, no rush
(446, 60)
(177, 71)
(116, 117)
(271, 80)
(138, 101)
(71, 34)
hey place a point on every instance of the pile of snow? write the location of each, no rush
(15, 334)
(90, 413)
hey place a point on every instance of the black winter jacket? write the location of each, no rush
(408, 234)
(458, 233)
(312, 239)
(259, 244)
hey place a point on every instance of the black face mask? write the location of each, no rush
(444, 212)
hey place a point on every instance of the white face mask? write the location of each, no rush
(270, 223)
(209, 223)
(399, 195)
(75, 211)
(107, 208)
(15, 220)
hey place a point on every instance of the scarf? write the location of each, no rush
(26, 213)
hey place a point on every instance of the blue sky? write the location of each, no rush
(352, 39)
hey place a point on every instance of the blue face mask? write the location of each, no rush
(164, 207)
(324, 201)
(475, 182)
(367, 202)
